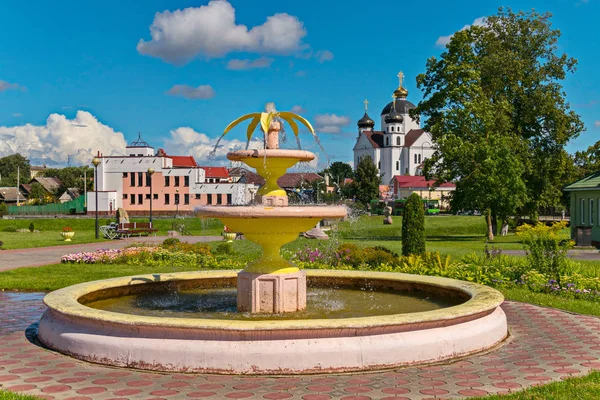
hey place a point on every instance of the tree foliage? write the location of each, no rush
(588, 161)
(39, 195)
(413, 226)
(338, 171)
(9, 166)
(72, 177)
(366, 182)
(497, 111)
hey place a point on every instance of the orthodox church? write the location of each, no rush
(401, 146)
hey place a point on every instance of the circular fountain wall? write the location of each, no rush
(465, 318)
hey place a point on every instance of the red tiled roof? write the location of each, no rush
(295, 179)
(412, 136)
(375, 138)
(404, 181)
(183, 161)
(216, 172)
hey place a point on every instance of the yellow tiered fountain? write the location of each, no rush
(271, 284)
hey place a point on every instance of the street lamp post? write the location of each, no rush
(95, 162)
(150, 173)
(177, 203)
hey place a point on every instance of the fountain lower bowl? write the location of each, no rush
(271, 346)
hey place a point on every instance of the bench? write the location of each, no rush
(135, 228)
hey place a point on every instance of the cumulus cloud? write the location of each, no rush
(238, 65)
(80, 138)
(597, 124)
(324, 55)
(211, 31)
(444, 40)
(330, 123)
(298, 110)
(185, 140)
(4, 85)
(190, 92)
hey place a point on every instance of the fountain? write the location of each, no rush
(272, 318)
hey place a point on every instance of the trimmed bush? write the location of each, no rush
(31, 227)
(170, 242)
(413, 226)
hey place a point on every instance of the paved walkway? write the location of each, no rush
(11, 259)
(546, 345)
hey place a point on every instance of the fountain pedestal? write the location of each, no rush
(271, 293)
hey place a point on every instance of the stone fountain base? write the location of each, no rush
(271, 293)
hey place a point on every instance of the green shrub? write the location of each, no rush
(9, 229)
(546, 249)
(225, 249)
(413, 226)
(169, 242)
(1, 244)
(3, 209)
(31, 227)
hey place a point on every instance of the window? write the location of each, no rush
(167, 200)
(140, 179)
(186, 181)
(132, 199)
(392, 129)
(209, 198)
(219, 199)
(155, 196)
(397, 165)
(591, 212)
(186, 199)
(176, 181)
(416, 159)
(147, 197)
(582, 212)
(148, 178)
(378, 164)
(140, 198)
(176, 198)
(398, 141)
(167, 181)
(124, 196)
(419, 159)
(132, 180)
(387, 141)
(124, 174)
(198, 196)
(229, 198)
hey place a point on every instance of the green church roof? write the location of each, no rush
(589, 182)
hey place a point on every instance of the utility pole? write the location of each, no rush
(18, 182)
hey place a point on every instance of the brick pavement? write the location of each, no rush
(546, 345)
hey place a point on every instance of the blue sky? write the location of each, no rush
(323, 57)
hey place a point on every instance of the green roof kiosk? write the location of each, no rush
(585, 207)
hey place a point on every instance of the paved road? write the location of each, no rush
(35, 257)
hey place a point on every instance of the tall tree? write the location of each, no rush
(588, 161)
(38, 195)
(366, 181)
(9, 166)
(498, 115)
(72, 177)
(338, 171)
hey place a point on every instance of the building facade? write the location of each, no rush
(585, 207)
(178, 184)
(401, 146)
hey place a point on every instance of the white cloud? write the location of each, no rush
(330, 123)
(237, 65)
(211, 31)
(298, 110)
(186, 141)
(597, 124)
(80, 138)
(4, 85)
(324, 55)
(444, 40)
(190, 92)
(17, 115)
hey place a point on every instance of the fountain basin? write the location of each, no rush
(271, 346)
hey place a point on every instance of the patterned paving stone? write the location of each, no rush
(546, 345)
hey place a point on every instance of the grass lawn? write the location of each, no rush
(84, 228)
(5, 395)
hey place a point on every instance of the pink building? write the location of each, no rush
(178, 183)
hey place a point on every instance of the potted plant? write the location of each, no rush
(228, 235)
(67, 233)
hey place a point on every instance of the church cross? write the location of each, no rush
(400, 77)
(366, 102)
